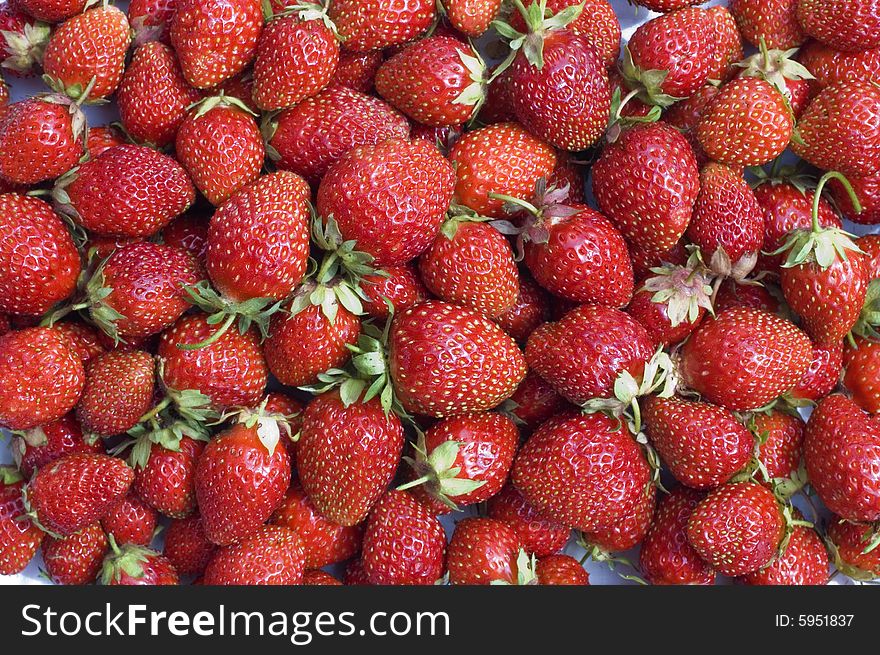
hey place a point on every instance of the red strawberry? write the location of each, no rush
(666, 557)
(219, 144)
(848, 542)
(77, 490)
(774, 21)
(241, 478)
(830, 66)
(822, 375)
(85, 56)
(654, 213)
(404, 542)
(356, 70)
(187, 547)
(370, 24)
(703, 445)
(745, 358)
(131, 565)
(131, 521)
(164, 477)
(319, 578)
(44, 377)
(666, 326)
(862, 374)
(188, 232)
(561, 570)
(22, 42)
(150, 20)
(780, 438)
(867, 190)
(534, 401)
(803, 562)
(19, 538)
(538, 535)
(484, 551)
(347, 456)
(101, 138)
(870, 245)
(153, 95)
(36, 447)
(665, 6)
(626, 532)
(728, 44)
(77, 559)
(271, 556)
(84, 339)
(402, 287)
(685, 116)
(471, 17)
(789, 77)
(530, 309)
(215, 39)
(52, 11)
(732, 294)
(842, 451)
(843, 24)
(737, 528)
(118, 391)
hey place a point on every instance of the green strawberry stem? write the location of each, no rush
(212, 339)
(840, 177)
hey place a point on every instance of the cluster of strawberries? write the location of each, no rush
(344, 203)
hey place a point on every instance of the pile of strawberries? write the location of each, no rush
(332, 276)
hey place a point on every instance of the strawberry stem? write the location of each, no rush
(840, 177)
(213, 338)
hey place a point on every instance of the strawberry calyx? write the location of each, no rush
(457, 215)
(540, 22)
(869, 320)
(646, 83)
(474, 94)
(776, 67)
(76, 92)
(304, 11)
(269, 425)
(526, 566)
(78, 123)
(599, 554)
(10, 475)
(127, 559)
(682, 289)
(203, 106)
(617, 122)
(847, 569)
(341, 258)
(26, 47)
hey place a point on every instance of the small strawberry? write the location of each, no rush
(357, 70)
(471, 17)
(22, 42)
(850, 546)
(319, 578)
(780, 442)
(728, 44)
(539, 535)
(533, 402)
(530, 309)
(101, 138)
(270, 556)
(118, 391)
(775, 22)
(823, 373)
(188, 232)
(485, 551)
(867, 190)
(561, 570)
(402, 287)
(862, 373)
(131, 521)
(187, 547)
(850, 25)
(150, 20)
(131, 565)
(19, 538)
(36, 447)
(371, 24)
(803, 562)
(164, 476)
(84, 339)
(77, 559)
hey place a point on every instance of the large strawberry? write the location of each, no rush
(77, 559)
(22, 42)
(850, 25)
(19, 538)
(273, 555)
(803, 562)
(36, 447)
(775, 22)
(485, 551)
(118, 391)
(538, 534)
(830, 66)
(187, 547)
(370, 24)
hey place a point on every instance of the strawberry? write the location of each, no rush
(44, 377)
(737, 528)
(658, 318)
(131, 521)
(39, 263)
(803, 562)
(271, 556)
(627, 531)
(36, 447)
(150, 20)
(84, 339)
(745, 358)
(356, 70)
(308, 138)
(870, 245)
(131, 565)
(76, 490)
(187, 547)
(118, 391)
(862, 373)
(324, 541)
(188, 232)
(215, 39)
(583, 353)
(371, 24)
(728, 44)
(665, 6)
(149, 189)
(153, 95)
(841, 451)
(747, 124)
(85, 56)
(780, 442)
(219, 144)
(347, 455)
(446, 360)
(538, 535)
(789, 77)
(484, 551)
(404, 542)
(390, 198)
(561, 570)
(533, 402)
(52, 11)
(843, 24)
(296, 58)
(77, 559)
(402, 287)
(646, 183)
(101, 138)
(823, 373)
(471, 17)
(830, 66)
(666, 557)
(703, 445)
(19, 537)
(40, 138)
(319, 578)
(774, 21)
(241, 478)
(164, 477)
(530, 309)
(22, 42)
(850, 546)
(867, 190)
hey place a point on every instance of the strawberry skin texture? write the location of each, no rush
(628, 529)
(402, 287)
(320, 578)
(118, 391)
(324, 542)
(703, 445)
(472, 17)
(167, 481)
(314, 134)
(804, 562)
(447, 360)
(830, 66)
(215, 39)
(187, 547)
(867, 189)
(745, 358)
(529, 310)
(131, 521)
(150, 20)
(536, 401)
(391, 197)
(84, 340)
(646, 183)
(850, 540)
(156, 570)
(19, 539)
(55, 440)
(666, 557)
(862, 374)
(258, 241)
(357, 70)
(775, 21)
(822, 375)
(654, 317)
(77, 559)
(482, 551)
(89, 46)
(404, 542)
(870, 245)
(77, 490)
(538, 534)
(728, 44)
(582, 354)
(101, 138)
(271, 556)
(44, 377)
(371, 24)
(188, 232)
(347, 456)
(783, 435)
(239, 484)
(295, 59)
(842, 24)
(842, 451)
(39, 263)
(561, 570)
(737, 528)
(153, 95)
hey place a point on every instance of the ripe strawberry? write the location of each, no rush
(703, 445)
(164, 477)
(355, 576)
(22, 41)
(101, 138)
(658, 318)
(404, 542)
(538, 535)
(862, 374)
(219, 144)
(347, 455)
(271, 556)
(471, 17)
(728, 44)
(118, 391)
(153, 95)
(188, 232)
(19, 538)
(40, 138)
(131, 521)
(627, 532)
(774, 21)
(830, 66)
(666, 557)
(409, 181)
(870, 245)
(44, 377)
(583, 353)
(83, 339)
(76, 490)
(324, 541)
(737, 528)
(187, 547)
(847, 542)
(533, 402)
(85, 56)
(780, 438)
(822, 375)
(296, 58)
(77, 559)
(215, 39)
(446, 361)
(843, 24)
(484, 551)
(319, 578)
(356, 70)
(841, 451)
(646, 183)
(132, 565)
(52, 11)
(402, 287)
(36, 447)
(561, 570)
(803, 562)
(241, 478)
(745, 358)
(371, 24)
(530, 309)
(150, 20)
